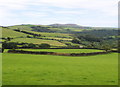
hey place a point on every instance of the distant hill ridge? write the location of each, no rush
(69, 25)
(57, 25)
(79, 26)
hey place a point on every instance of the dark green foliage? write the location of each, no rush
(77, 41)
(44, 45)
(90, 38)
(97, 38)
(9, 45)
(106, 47)
(29, 36)
(2, 50)
(18, 30)
(42, 29)
(34, 35)
(8, 39)
(29, 45)
(99, 33)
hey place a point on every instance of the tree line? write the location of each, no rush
(16, 45)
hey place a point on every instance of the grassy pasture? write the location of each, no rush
(52, 34)
(55, 38)
(11, 33)
(38, 41)
(27, 69)
(21, 27)
(66, 50)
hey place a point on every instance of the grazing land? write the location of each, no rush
(38, 41)
(11, 33)
(27, 69)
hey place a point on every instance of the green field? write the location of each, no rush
(27, 69)
(31, 69)
(66, 50)
(52, 34)
(11, 33)
(38, 41)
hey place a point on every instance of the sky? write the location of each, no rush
(96, 13)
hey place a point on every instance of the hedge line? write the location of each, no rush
(54, 53)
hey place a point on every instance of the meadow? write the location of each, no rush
(27, 69)
(31, 69)
(60, 35)
(11, 33)
(38, 41)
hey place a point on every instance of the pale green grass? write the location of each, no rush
(11, 33)
(65, 39)
(66, 50)
(21, 27)
(52, 34)
(38, 41)
(27, 69)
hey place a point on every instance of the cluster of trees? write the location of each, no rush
(99, 33)
(31, 45)
(9, 45)
(90, 41)
(7, 38)
(15, 45)
(42, 29)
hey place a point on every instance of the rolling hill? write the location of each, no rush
(59, 34)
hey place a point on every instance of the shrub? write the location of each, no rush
(28, 45)
(9, 45)
(2, 50)
(44, 45)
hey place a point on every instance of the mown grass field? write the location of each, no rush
(66, 50)
(27, 69)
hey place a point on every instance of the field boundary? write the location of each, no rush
(55, 53)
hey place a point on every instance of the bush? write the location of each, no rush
(28, 45)
(44, 45)
(76, 41)
(9, 45)
(2, 50)
(106, 47)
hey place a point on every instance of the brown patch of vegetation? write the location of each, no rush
(59, 54)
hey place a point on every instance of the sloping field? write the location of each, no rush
(52, 34)
(27, 69)
(21, 27)
(11, 33)
(38, 41)
(54, 38)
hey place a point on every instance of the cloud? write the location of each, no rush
(13, 4)
(50, 11)
(91, 4)
(70, 12)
